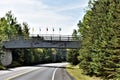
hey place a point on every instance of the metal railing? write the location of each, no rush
(51, 37)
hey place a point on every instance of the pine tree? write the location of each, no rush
(100, 28)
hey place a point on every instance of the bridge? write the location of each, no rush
(38, 41)
(42, 41)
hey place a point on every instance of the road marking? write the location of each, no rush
(19, 74)
(53, 76)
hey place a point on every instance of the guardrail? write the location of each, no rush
(51, 37)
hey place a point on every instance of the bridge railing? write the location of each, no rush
(51, 37)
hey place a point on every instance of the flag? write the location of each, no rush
(59, 29)
(46, 29)
(33, 29)
(40, 29)
(53, 30)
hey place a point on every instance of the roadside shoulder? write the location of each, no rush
(76, 73)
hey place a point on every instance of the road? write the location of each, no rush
(53, 71)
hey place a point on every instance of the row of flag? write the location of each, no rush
(46, 29)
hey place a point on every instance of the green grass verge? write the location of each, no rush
(76, 73)
(2, 67)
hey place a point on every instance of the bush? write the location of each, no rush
(72, 56)
(2, 67)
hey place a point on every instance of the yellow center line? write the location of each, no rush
(19, 74)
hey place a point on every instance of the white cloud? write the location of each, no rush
(17, 1)
(37, 14)
(71, 7)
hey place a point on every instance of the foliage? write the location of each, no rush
(25, 29)
(47, 55)
(9, 28)
(72, 56)
(14, 64)
(61, 55)
(77, 73)
(2, 67)
(100, 28)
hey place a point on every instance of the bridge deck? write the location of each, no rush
(42, 41)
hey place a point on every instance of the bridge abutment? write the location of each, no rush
(6, 57)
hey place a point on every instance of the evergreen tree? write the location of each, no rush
(72, 54)
(100, 28)
(25, 29)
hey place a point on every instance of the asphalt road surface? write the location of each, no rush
(53, 71)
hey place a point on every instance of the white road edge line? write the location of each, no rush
(53, 76)
(19, 74)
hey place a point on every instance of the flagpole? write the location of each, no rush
(52, 34)
(32, 30)
(40, 31)
(59, 34)
(59, 30)
(53, 31)
(46, 31)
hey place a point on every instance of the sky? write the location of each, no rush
(42, 14)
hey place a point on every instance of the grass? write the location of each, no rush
(2, 67)
(76, 73)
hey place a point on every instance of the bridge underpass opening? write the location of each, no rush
(44, 41)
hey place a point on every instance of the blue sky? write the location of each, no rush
(55, 14)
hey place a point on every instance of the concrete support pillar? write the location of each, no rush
(55, 57)
(6, 58)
